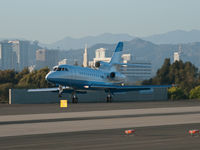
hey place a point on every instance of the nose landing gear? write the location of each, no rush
(60, 91)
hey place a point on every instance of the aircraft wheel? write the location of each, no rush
(74, 99)
(59, 95)
(109, 99)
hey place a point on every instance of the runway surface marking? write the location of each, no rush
(168, 110)
(96, 124)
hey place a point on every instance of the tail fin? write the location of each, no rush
(117, 54)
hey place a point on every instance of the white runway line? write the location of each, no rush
(97, 124)
(7, 118)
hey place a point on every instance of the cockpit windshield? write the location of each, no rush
(60, 69)
(55, 68)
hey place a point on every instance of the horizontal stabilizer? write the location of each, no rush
(134, 65)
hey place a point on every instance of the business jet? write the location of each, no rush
(105, 77)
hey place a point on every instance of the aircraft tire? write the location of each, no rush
(76, 100)
(109, 99)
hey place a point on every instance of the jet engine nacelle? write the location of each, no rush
(97, 64)
(102, 65)
(116, 76)
(112, 75)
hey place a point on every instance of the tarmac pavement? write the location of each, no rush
(159, 125)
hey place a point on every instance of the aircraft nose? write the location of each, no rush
(48, 76)
(52, 77)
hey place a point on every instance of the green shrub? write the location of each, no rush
(175, 93)
(195, 93)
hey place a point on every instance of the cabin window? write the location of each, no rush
(59, 69)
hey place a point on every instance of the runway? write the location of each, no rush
(151, 138)
(15, 109)
(156, 127)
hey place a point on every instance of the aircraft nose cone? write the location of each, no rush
(48, 76)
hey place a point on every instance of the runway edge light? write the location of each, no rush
(130, 131)
(194, 132)
(63, 103)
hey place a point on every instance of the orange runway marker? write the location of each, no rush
(130, 131)
(194, 132)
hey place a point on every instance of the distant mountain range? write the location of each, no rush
(172, 37)
(175, 37)
(73, 43)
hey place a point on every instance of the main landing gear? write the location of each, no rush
(74, 98)
(109, 98)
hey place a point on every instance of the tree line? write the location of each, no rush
(24, 79)
(184, 75)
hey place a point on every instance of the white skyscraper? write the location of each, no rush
(176, 56)
(62, 62)
(126, 58)
(100, 53)
(85, 62)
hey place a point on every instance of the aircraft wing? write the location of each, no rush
(105, 87)
(56, 89)
(130, 88)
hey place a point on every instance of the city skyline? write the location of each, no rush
(50, 20)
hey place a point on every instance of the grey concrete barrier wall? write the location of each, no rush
(21, 96)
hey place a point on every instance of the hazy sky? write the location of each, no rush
(52, 20)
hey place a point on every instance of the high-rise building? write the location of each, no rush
(41, 58)
(31, 53)
(100, 53)
(16, 51)
(126, 58)
(62, 62)
(136, 71)
(6, 56)
(176, 56)
(46, 58)
(21, 50)
(24, 50)
(85, 61)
